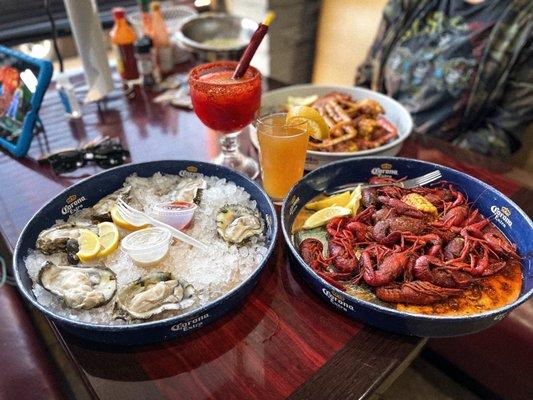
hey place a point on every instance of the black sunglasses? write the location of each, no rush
(105, 153)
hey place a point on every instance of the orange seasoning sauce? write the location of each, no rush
(486, 294)
(300, 219)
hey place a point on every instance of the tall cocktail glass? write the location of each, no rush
(227, 106)
(282, 151)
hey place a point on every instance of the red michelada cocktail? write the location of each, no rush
(227, 106)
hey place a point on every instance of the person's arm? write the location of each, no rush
(501, 132)
(393, 11)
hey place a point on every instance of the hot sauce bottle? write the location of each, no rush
(161, 39)
(146, 17)
(123, 38)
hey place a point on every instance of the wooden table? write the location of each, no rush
(284, 341)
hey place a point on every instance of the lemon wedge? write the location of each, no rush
(293, 101)
(355, 200)
(121, 222)
(89, 245)
(340, 199)
(109, 238)
(316, 126)
(326, 214)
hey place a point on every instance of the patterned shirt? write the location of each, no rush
(462, 70)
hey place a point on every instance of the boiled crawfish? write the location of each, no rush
(416, 292)
(410, 256)
(311, 250)
(390, 231)
(440, 275)
(387, 269)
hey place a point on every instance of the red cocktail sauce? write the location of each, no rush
(178, 205)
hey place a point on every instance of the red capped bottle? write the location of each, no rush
(123, 38)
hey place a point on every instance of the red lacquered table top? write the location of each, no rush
(284, 341)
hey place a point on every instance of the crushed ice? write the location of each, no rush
(212, 273)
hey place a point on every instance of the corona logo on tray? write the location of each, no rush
(293, 204)
(337, 300)
(190, 324)
(501, 216)
(269, 221)
(74, 203)
(72, 198)
(384, 170)
(190, 172)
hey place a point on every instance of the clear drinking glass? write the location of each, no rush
(227, 106)
(283, 148)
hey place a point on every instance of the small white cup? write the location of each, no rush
(147, 246)
(174, 213)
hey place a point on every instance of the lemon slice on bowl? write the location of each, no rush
(89, 245)
(323, 216)
(109, 238)
(340, 199)
(316, 126)
(121, 222)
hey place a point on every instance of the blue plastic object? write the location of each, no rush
(505, 214)
(21, 147)
(85, 194)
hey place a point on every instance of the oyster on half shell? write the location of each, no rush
(153, 294)
(79, 287)
(102, 209)
(63, 238)
(189, 190)
(236, 223)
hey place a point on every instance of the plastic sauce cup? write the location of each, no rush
(147, 246)
(174, 213)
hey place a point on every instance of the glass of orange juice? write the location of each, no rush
(282, 150)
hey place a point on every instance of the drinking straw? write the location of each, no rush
(255, 41)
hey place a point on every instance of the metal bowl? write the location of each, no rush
(504, 213)
(87, 193)
(199, 28)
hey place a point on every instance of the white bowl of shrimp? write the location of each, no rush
(362, 122)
